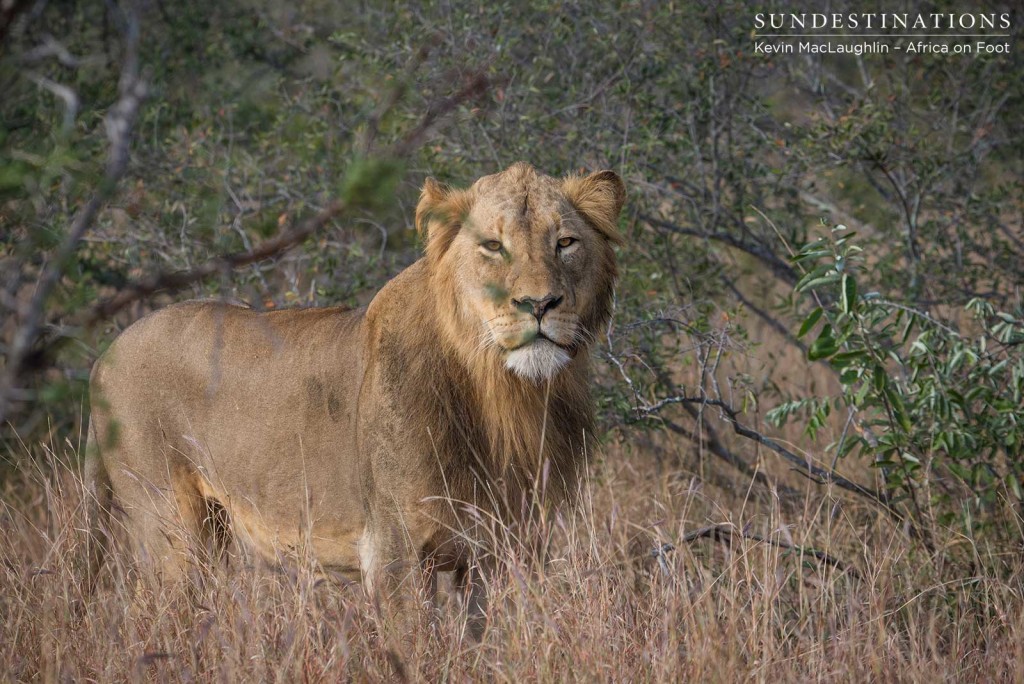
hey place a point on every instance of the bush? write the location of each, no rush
(936, 410)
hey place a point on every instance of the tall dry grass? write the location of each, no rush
(603, 607)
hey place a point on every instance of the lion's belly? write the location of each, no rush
(294, 491)
(276, 531)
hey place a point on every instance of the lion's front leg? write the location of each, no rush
(471, 582)
(391, 577)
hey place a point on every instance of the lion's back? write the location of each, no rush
(200, 342)
(242, 387)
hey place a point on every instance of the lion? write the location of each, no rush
(373, 436)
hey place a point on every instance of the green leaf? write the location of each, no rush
(846, 358)
(12, 176)
(849, 377)
(898, 409)
(911, 320)
(809, 322)
(810, 250)
(879, 378)
(823, 347)
(814, 274)
(1014, 484)
(848, 300)
(818, 282)
(996, 369)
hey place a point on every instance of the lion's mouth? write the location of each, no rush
(540, 337)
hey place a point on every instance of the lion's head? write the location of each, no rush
(524, 265)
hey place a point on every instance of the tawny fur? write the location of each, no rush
(371, 429)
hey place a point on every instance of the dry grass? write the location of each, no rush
(602, 608)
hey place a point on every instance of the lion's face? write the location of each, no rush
(529, 264)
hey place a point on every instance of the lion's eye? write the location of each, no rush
(492, 246)
(566, 242)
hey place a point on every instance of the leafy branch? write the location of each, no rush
(942, 405)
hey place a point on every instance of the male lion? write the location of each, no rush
(375, 431)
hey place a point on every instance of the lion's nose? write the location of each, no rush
(538, 307)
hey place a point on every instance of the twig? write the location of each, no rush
(475, 87)
(739, 428)
(724, 533)
(920, 314)
(708, 436)
(715, 446)
(779, 267)
(770, 320)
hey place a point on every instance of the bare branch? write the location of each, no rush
(51, 47)
(804, 466)
(119, 124)
(172, 281)
(779, 267)
(64, 93)
(716, 447)
(725, 532)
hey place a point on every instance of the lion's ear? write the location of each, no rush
(440, 214)
(431, 199)
(599, 197)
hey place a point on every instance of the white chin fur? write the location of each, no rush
(537, 361)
